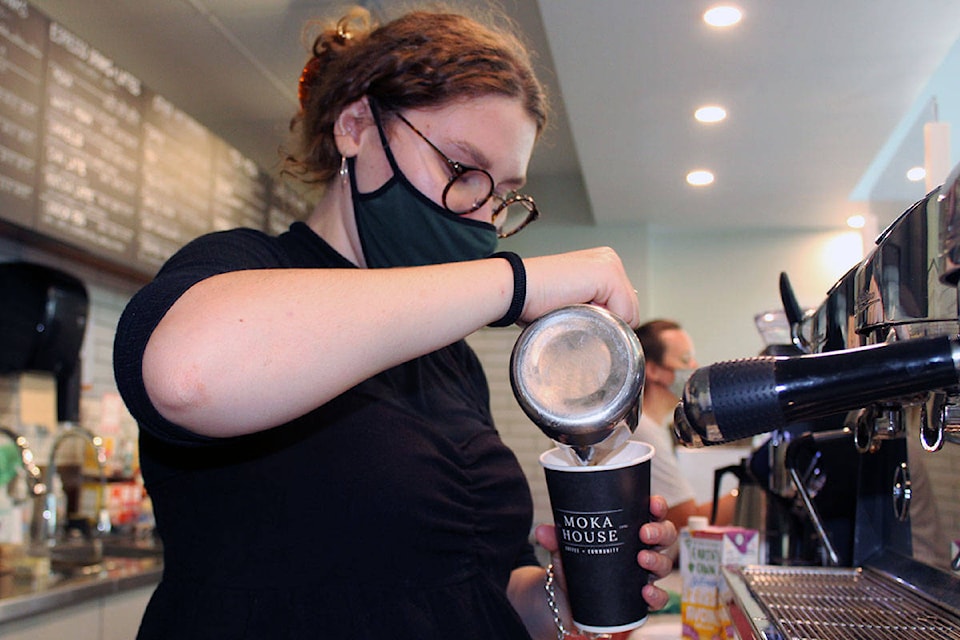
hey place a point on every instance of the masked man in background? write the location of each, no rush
(670, 360)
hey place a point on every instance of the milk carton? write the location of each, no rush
(702, 553)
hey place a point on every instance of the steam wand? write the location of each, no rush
(791, 460)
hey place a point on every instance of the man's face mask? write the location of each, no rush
(401, 227)
(680, 377)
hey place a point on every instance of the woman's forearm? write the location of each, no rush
(528, 597)
(248, 350)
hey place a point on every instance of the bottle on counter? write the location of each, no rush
(11, 519)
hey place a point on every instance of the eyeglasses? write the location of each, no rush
(469, 188)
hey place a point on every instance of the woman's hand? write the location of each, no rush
(593, 276)
(660, 535)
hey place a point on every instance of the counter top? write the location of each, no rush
(21, 597)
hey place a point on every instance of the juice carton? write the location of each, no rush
(702, 553)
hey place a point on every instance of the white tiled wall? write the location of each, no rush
(493, 346)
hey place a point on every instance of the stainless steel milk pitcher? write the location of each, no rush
(577, 372)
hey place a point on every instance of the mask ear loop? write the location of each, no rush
(377, 120)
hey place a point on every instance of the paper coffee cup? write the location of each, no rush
(598, 511)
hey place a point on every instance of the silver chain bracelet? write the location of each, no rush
(562, 632)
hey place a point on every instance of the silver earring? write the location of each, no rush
(344, 171)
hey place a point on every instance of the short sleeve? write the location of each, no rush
(209, 255)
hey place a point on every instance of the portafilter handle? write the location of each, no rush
(577, 372)
(737, 399)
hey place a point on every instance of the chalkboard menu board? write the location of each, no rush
(91, 158)
(240, 191)
(175, 189)
(90, 148)
(22, 42)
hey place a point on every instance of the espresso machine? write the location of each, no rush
(877, 379)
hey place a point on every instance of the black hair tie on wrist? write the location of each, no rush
(519, 289)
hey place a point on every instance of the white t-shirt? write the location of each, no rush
(666, 479)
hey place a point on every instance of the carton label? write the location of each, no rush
(702, 554)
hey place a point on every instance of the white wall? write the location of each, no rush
(715, 283)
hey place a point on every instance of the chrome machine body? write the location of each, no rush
(878, 369)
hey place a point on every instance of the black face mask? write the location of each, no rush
(401, 227)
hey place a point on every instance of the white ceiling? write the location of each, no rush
(825, 96)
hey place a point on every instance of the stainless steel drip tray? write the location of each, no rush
(812, 603)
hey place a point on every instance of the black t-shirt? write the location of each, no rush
(392, 511)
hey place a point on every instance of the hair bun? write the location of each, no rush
(307, 77)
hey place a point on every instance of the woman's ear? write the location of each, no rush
(350, 125)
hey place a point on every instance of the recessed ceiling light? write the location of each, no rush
(722, 16)
(856, 222)
(710, 113)
(700, 178)
(916, 174)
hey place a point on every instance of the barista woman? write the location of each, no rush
(315, 433)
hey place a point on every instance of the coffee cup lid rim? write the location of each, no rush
(558, 460)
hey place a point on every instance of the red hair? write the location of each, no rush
(421, 59)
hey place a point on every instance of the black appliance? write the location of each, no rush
(43, 316)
